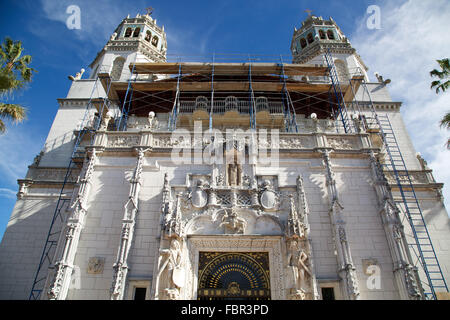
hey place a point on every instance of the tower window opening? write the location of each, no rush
(128, 32)
(148, 36)
(136, 32)
(330, 34)
(303, 43)
(155, 41)
(310, 38)
(322, 34)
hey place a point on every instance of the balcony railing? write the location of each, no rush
(231, 104)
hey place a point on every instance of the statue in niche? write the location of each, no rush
(171, 275)
(232, 223)
(105, 121)
(152, 121)
(234, 171)
(297, 264)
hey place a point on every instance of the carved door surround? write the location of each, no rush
(272, 245)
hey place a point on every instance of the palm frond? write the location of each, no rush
(445, 121)
(2, 127)
(13, 112)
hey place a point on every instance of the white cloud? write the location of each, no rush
(412, 38)
(8, 193)
(18, 146)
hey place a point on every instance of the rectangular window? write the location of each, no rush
(139, 293)
(328, 294)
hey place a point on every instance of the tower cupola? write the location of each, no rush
(318, 36)
(137, 39)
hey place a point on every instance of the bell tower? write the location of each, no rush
(316, 37)
(137, 39)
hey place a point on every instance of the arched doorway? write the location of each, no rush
(233, 276)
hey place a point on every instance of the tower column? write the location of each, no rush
(406, 275)
(128, 225)
(59, 286)
(346, 267)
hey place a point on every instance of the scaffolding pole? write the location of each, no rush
(212, 95)
(342, 110)
(252, 108)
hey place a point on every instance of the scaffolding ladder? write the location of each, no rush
(408, 203)
(50, 247)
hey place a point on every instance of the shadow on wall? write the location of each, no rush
(22, 245)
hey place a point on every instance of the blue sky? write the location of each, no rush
(404, 50)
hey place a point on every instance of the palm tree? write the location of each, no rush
(442, 75)
(445, 122)
(14, 74)
(442, 84)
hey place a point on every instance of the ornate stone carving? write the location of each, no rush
(59, 286)
(232, 223)
(96, 265)
(128, 224)
(171, 275)
(172, 223)
(199, 197)
(268, 199)
(299, 269)
(341, 143)
(295, 227)
(123, 141)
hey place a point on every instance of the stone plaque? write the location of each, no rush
(96, 265)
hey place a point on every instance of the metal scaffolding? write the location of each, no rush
(419, 241)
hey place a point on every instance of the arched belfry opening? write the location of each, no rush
(233, 276)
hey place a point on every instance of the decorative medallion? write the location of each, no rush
(199, 196)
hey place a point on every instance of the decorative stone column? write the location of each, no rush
(170, 273)
(346, 267)
(406, 275)
(59, 286)
(303, 213)
(120, 267)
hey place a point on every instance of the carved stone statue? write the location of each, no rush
(152, 120)
(232, 223)
(234, 174)
(78, 75)
(297, 263)
(171, 274)
(105, 121)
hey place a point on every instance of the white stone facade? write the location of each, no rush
(136, 219)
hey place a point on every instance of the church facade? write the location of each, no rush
(194, 180)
